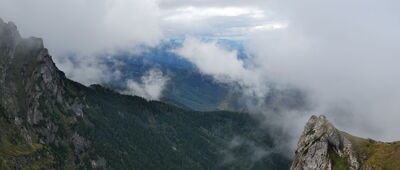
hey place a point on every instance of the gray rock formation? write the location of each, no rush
(319, 140)
(35, 94)
(26, 64)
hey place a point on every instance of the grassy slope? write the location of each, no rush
(380, 155)
(15, 154)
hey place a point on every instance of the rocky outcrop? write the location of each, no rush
(319, 143)
(35, 94)
(29, 79)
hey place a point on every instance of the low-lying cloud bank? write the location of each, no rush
(251, 79)
(223, 64)
(88, 70)
(343, 54)
(85, 27)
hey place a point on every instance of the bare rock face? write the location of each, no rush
(319, 140)
(26, 64)
(35, 94)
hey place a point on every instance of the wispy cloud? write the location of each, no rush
(150, 86)
(86, 27)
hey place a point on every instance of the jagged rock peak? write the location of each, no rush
(318, 142)
(9, 30)
(28, 74)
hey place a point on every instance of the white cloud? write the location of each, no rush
(85, 26)
(346, 60)
(194, 13)
(215, 3)
(224, 65)
(212, 59)
(250, 77)
(150, 86)
(227, 21)
(87, 70)
(267, 26)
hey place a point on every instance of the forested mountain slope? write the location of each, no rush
(50, 122)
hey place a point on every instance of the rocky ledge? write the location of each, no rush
(317, 142)
(323, 147)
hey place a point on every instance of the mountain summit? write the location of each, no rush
(323, 147)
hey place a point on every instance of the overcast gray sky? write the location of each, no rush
(344, 53)
(87, 26)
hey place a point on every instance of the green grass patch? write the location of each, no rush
(379, 155)
(337, 162)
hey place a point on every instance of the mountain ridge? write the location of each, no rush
(50, 122)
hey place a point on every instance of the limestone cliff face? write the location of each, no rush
(318, 141)
(34, 93)
(25, 64)
(323, 147)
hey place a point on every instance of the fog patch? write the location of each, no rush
(223, 64)
(258, 94)
(86, 27)
(240, 148)
(343, 54)
(88, 70)
(150, 86)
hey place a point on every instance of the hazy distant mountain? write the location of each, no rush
(189, 88)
